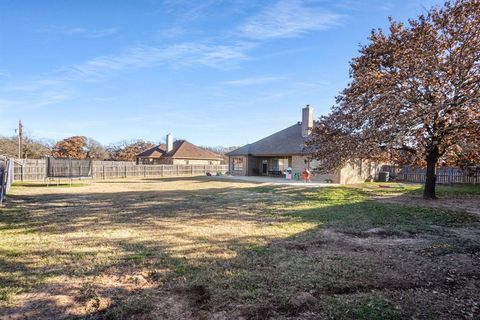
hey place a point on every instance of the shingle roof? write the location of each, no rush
(155, 152)
(181, 149)
(288, 141)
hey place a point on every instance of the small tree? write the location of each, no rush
(36, 148)
(9, 146)
(414, 96)
(220, 149)
(72, 148)
(95, 150)
(32, 148)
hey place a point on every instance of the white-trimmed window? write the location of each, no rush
(237, 164)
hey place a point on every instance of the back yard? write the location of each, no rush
(202, 248)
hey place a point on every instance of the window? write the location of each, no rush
(237, 164)
(276, 165)
(280, 164)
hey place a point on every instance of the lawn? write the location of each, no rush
(212, 248)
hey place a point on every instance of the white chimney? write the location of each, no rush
(307, 121)
(169, 142)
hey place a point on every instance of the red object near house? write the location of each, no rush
(306, 175)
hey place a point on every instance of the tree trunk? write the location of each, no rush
(431, 178)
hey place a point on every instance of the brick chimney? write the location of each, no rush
(169, 142)
(307, 121)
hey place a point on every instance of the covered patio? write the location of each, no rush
(272, 155)
(270, 166)
(277, 181)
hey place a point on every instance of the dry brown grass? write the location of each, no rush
(201, 248)
(87, 246)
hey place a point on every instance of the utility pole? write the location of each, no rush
(20, 139)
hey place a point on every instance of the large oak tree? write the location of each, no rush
(80, 147)
(414, 96)
(71, 148)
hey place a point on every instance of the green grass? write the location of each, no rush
(367, 308)
(262, 189)
(134, 305)
(351, 210)
(140, 255)
(442, 190)
(268, 275)
(254, 249)
(52, 184)
(453, 190)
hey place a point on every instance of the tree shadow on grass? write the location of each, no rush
(202, 178)
(240, 253)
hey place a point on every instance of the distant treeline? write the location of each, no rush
(81, 147)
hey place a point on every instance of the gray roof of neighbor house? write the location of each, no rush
(288, 141)
(181, 150)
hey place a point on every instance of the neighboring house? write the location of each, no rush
(178, 152)
(271, 156)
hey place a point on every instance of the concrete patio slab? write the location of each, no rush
(278, 181)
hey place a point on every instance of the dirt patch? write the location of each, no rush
(216, 249)
(89, 251)
(198, 295)
(67, 297)
(365, 266)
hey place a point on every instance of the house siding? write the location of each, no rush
(195, 161)
(298, 166)
(353, 172)
(146, 160)
(253, 163)
(244, 170)
(176, 161)
(358, 171)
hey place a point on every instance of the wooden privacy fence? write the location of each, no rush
(36, 170)
(445, 175)
(6, 176)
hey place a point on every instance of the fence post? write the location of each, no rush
(2, 178)
(6, 178)
(2, 172)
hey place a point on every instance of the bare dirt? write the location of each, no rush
(200, 248)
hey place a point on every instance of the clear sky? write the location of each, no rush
(214, 72)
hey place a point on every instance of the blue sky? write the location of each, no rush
(214, 72)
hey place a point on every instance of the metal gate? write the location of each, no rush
(6, 177)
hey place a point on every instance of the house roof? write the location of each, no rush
(181, 150)
(288, 141)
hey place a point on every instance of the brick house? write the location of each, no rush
(178, 152)
(272, 155)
